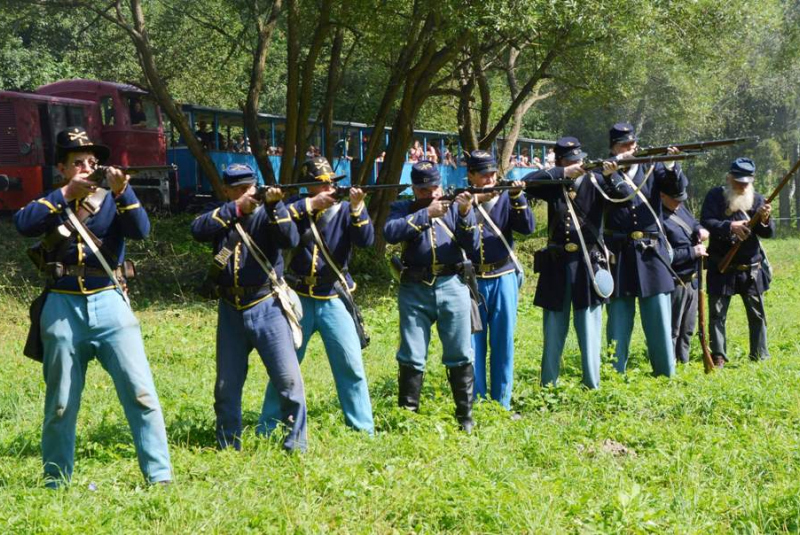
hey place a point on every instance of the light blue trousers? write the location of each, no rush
(265, 328)
(447, 303)
(588, 326)
(499, 316)
(656, 317)
(338, 332)
(76, 329)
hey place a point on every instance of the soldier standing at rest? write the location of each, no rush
(327, 300)
(686, 237)
(86, 313)
(435, 235)
(249, 314)
(726, 211)
(566, 281)
(499, 275)
(633, 233)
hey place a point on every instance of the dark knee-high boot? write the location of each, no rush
(409, 381)
(462, 382)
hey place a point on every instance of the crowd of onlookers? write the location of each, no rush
(416, 153)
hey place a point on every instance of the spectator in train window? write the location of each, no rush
(203, 135)
(310, 152)
(537, 163)
(524, 159)
(416, 153)
(550, 160)
(432, 154)
(138, 116)
(381, 157)
(448, 159)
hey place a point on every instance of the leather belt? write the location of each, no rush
(745, 267)
(241, 291)
(58, 270)
(491, 266)
(419, 274)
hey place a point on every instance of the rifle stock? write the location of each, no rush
(708, 362)
(728, 258)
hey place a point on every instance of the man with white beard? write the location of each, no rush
(726, 211)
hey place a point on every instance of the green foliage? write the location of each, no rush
(698, 454)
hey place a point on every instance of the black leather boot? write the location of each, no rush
(410, 382)
(462, 382)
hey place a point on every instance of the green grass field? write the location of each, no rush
(703, 453)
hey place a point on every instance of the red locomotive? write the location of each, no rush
(119, 115)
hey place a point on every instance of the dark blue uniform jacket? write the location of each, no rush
(425, 242)
(271, 229)
(640, 270)
(684, 260)
(314, 278)
(508, 214)
(118, 218)
(559, 266)
(716, 218)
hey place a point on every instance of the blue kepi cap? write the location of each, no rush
(425, 173)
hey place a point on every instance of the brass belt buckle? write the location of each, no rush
(637, 235)
(436, 268)
(743, 267)
(483, 268)
(310, 280)
(571, 247)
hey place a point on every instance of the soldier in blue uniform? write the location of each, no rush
(565, 279)
(686, 237)
(249, 314)
(340, 227)
(726, 211)
(642, 267)
(436, 237)
(499, 275)
(86, 314)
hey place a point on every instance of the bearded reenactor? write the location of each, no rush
(686, 237)
(567, 265)
(499, 274)
(641, 267)
(329, 230)
(436, 236)
(86, 313)
(726, 212)
(248, 233)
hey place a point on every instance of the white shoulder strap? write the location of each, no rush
(84, 234)
(500, 235)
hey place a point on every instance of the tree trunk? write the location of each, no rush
(265, 30)
(292, 91)
(334, 79)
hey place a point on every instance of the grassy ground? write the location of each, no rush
(697, 454)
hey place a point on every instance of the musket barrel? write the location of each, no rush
(695, 146)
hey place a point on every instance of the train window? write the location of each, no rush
(107, 111)
(58, 118)
(74, 116)
(142, 112)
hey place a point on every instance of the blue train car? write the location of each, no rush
(222, 133)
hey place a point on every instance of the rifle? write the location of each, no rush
(726, 261)
(340, 192)
(695, 147)
(451, 193)
(99, 174)
(627, 162)
(708, 362)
